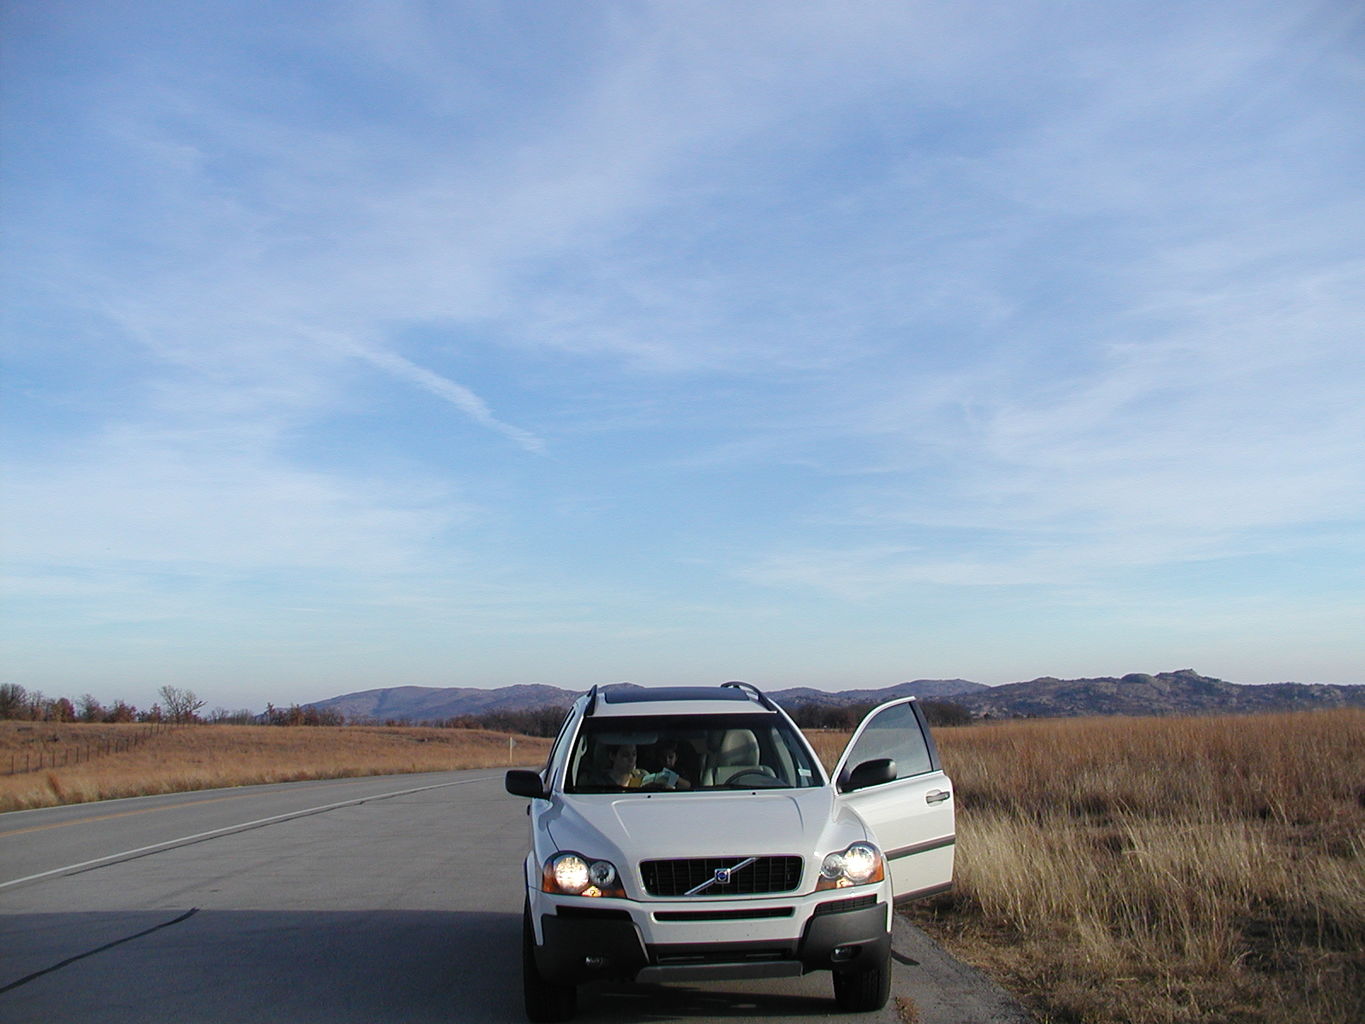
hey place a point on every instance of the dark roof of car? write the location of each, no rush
(629, 699)
(651, 694)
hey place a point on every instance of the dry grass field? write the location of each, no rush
(1163, 870)
(1151, 871)
(208, 756)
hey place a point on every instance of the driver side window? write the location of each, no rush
(894, 733)
(556, 747)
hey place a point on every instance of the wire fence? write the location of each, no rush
(42, 754)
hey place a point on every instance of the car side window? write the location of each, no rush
(556, 747)
(894, 733)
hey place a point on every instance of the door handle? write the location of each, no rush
(937, 796)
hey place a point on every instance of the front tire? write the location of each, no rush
(864, 991)
(545, 1001)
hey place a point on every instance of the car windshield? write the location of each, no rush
(687, 753)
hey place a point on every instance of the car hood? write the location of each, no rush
(706, 824)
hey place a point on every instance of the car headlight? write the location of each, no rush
(860, 864)
(572, 874)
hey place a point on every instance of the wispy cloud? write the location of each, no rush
(815, 302)
(205, 498)
(456, 394)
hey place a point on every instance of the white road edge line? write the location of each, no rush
(227, 830)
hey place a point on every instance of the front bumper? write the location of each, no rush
(666, 942)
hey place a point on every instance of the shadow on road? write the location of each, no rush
(303, 966)
(721, 1002)
(314, 966)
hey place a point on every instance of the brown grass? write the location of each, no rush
(1163, 870)
(1151, 871)
(907, 1011)
(208, 757)
(829, 745)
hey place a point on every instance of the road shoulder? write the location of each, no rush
(942, 989)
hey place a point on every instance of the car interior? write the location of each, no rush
(707, 755)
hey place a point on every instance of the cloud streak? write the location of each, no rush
(809, 305)
(448, 390)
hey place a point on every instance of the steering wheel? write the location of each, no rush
(756, 780)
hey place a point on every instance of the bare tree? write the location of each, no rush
(181, 705)
(222, 716)
(13, 700)
(90, 709)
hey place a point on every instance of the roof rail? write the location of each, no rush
(592, 701)
(751, 689)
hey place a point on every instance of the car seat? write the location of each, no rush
(592, 765)
(737, 753)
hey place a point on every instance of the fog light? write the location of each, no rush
(602, 874)
(594, 963)
(842, 954)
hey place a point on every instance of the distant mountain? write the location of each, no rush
(430, 704)
(935, 689)
(1170, 693)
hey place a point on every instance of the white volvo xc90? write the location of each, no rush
(690, 833)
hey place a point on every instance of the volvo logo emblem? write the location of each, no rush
(721, 876)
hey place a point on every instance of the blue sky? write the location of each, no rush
(352, 345)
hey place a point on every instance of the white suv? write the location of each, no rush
(690, 833)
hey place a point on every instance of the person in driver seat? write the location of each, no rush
(620, 768)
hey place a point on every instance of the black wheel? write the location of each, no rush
(545, 1001)
(864, 991)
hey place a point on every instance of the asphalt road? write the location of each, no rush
(366, 900)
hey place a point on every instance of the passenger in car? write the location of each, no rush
(620, 768)
(668, 776)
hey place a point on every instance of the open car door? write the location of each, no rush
(908, 804)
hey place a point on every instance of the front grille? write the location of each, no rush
(724, 915)
(689, 956)
(843, 906)
(764, 875)
(592, 913)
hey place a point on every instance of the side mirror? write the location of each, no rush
(869, 773)
(521, 782)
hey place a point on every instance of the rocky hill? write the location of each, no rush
(931, 689)
(1169, 693)
(430, 704)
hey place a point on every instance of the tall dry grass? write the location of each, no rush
(1150, 871)
(208, 757)
(1163, 870)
